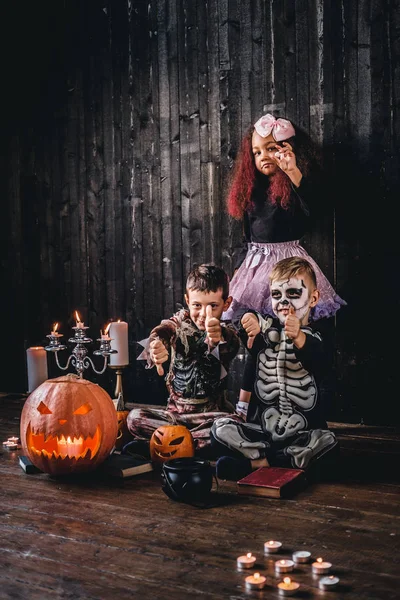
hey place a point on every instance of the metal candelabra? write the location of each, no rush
(79, 358)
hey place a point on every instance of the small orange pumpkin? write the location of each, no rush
(171, 441)
(124, 435)
(68, 425)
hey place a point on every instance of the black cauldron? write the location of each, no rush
(187, 479)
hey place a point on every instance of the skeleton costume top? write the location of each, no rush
(287, 380)
(196, 378)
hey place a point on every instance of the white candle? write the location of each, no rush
(301, 556)
(70, 447)
(246, 561)
(119, 341)
(36, 358)
(320, 567)
(287, 587)
(328, 583)
(255, 582)
(272, 546)
(284, 566)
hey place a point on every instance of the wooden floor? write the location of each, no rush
(92, 538)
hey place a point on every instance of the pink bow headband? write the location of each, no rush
(281, 129)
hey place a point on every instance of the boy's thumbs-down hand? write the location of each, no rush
(158, 354)
(213, 327)
(251, 326)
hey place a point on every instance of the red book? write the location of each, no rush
(273, 482)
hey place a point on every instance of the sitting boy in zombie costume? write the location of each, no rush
(285, 423)
(200, 349)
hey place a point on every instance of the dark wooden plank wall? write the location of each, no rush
(122, 123)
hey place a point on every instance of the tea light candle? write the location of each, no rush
(287, 587)
(320, 566)
(328, 583)
(119, 334)
(246, 561)
(14, 439)
(284, 566)
(36, 360)
(255, 582)
(301, 556)
(272, 546)
(10, 445)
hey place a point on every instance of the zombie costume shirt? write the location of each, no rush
(196, 376)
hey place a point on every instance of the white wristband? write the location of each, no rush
(242, 407)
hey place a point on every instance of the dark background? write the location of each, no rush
(120, 125)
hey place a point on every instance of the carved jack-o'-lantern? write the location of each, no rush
(68, 425)
(171, 441)
(124, 435)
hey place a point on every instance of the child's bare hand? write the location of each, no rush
(286, 158)
(292, 324)
(158, 354)
(251, 326)
(213, 327)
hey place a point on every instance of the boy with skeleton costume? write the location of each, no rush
(285, 422)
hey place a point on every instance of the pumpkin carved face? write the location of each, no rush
(171, 441)
(68, 425)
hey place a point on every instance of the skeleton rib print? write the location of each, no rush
(284, 384)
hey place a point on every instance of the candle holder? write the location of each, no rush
(78, 357)
(118, 392)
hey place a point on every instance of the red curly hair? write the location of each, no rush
(239, 198)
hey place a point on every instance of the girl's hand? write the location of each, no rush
(286, 158)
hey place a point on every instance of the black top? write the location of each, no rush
(313, 359)
(270, 223)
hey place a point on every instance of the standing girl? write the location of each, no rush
(275, 192)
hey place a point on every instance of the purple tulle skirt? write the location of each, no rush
(249, 287)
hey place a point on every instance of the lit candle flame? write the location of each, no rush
(287, 580)
(271, 542)
(319, 560)
(282, 562)
(256, 575)
(55, 327)
(248, 555)
(77, 317)
(107, 329)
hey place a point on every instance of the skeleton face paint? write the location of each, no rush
(291, 292)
